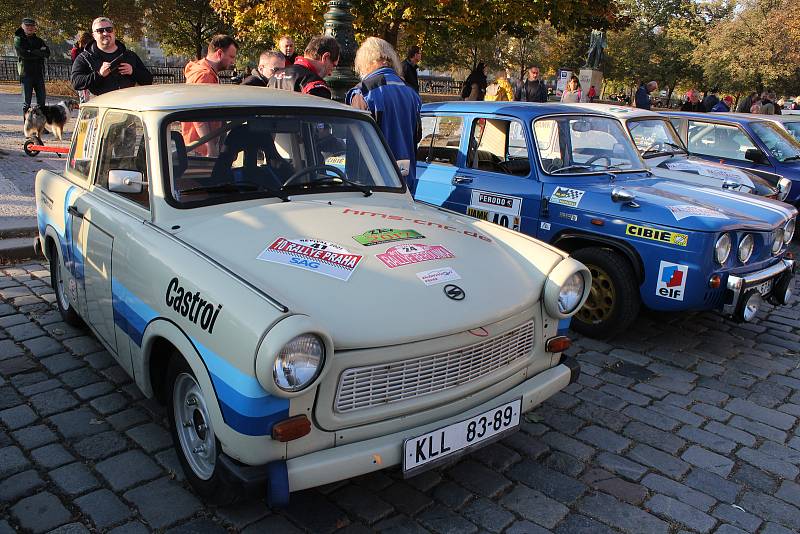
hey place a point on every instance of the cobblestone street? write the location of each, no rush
(686, 423)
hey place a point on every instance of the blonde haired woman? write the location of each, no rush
(394, 105)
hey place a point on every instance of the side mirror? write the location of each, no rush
(120, 181)
(754, 155)
(405, 166)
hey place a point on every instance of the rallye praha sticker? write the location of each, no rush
(321, 257)
(378, 236)
(400, 255)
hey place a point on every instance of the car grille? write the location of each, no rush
(376, 385)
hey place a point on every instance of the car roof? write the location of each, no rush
(738, 118)
(622, 112)
(528, 110)
(782, 118)
(198, 96)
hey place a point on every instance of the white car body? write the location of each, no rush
(226, 285)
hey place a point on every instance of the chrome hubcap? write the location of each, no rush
(602, 297)
(61, 293)
(193, 426)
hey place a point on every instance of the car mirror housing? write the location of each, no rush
(120, 181)
(754, 155)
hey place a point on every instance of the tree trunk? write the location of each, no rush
(198, 42)
(391, 34)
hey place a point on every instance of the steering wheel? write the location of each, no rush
(316, 169)
(595, 158)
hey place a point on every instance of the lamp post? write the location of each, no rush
(339, 25)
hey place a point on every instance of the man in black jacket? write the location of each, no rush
(533, 90)
(106, 65)
(270, 63)
(410, 66)
(31, 53)
(306, 75)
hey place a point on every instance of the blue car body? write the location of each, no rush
(724, 137)
(667, 232)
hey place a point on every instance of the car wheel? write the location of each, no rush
(57, 268)
(193, 435)
(613, 302)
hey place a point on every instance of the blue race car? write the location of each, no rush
(574, 179)
(752, 142)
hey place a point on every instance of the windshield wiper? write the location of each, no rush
(570, 168)
(233, 187)
(364, 189)
(652, 148)
(792, 158)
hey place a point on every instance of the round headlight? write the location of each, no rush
(722, 249)
(777, 240)
(570, 294)
(784, 186)
(788, 231)
(745, 248)
(299, 362)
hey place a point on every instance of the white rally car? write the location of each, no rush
(254, 260)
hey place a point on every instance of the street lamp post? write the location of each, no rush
(339, 25)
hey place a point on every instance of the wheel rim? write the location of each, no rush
(193, 426)
(61, 295)
(602, 297)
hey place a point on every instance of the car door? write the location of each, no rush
(724, 143)
(439, 157)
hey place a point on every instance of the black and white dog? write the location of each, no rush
(52, 118)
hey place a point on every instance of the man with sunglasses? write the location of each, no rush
(106, 65)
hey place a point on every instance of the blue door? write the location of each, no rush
(438, 159)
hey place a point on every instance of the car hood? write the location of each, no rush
(702, 172)
(304, 254)
(680, 205)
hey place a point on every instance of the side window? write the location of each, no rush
(498, 145)
(441, 137)
(83, 142)
(548, 141)
(124, 148)
(718, 140)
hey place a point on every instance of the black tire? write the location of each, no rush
(215, 485)
(68, 313)
(27, 149)
(613, 302)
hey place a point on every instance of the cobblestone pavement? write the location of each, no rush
(687, 423)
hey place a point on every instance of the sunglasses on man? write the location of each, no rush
(105, 29)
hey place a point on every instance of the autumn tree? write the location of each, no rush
(184, 27)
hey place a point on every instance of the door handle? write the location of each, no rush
(73, 210)
(461, 180)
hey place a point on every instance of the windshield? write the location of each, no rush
(782, 145)
(584, 145)
(226, 157)
(654, 137)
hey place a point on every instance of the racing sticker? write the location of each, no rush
(671, 282)
(569, 216)
(681, 211)
(493, 207)
(400, 255)
(567, 197)
(705, 170)
(544, 225)
(664, 236)
(378, 236)
(321, 257)
(438, 276)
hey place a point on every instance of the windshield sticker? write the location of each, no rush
(378, 236)
(321, 257)
(682, 211)
(671, 282)
(706, 170)
(422, 222)
(438, 276)
(400, 255)
(664, 236)
(567, 197)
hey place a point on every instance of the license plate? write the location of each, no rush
(765, 287)
(423, 452)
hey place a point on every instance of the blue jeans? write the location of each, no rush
(29, 85)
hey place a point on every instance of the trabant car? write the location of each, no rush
(574, 178)
(666, 156)
(254, 260)
(742, 140)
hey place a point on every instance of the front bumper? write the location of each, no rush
(738, 285)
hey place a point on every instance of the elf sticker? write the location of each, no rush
(671, 282)
(321, 257)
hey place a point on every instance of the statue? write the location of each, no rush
(597, 45)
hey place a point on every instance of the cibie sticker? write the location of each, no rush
(665, 236)
(320, 257)
(681, 211)
(437, 276)
(566, 196)
(386, 235)
(671, 282)
(400, 255)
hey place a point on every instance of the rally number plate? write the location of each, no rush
(423, 452)
(765, 287)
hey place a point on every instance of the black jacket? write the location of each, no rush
(300, 78)
(31, 53)
(410, 75)
(698, 107)
(256, 79)
(86, 70)
(531, 91)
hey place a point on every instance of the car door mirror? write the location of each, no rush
(754, 155)
(120, 181)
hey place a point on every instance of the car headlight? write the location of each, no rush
(745, 248)
(299, 362)
(788, 231)
(571, 293)
(777, 240)
(722, 249)
(784, 186)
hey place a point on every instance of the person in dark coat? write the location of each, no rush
(308, 72)
(693, 102)
(475, 85)
(642, 96)
(31, 52)
(286, 47)
(533, 89)
(410, 66)
(724, 105)
(106, 65)
(269, 63)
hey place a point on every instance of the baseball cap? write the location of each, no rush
(29, 21)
